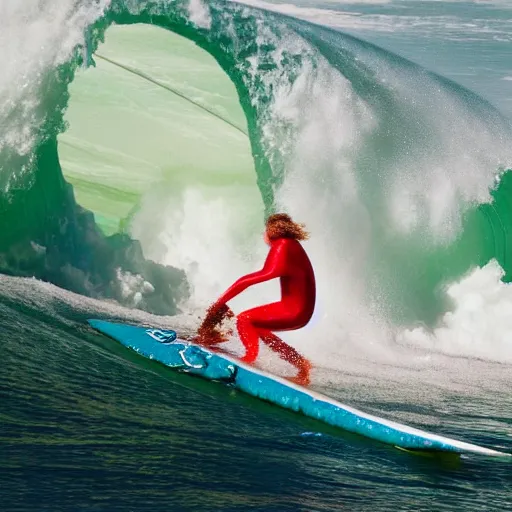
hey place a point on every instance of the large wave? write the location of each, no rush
(397, 172)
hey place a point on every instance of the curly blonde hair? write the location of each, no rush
(281, 225)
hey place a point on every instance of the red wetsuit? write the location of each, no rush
(287, 261)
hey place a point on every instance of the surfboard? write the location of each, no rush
(164, 346)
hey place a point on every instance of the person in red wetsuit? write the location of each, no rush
(287, 261)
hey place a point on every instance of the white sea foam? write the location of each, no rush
(479, 323)
(199, 13)
(35, 37)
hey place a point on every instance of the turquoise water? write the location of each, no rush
(142, 144)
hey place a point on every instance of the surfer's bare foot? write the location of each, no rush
(302, 378)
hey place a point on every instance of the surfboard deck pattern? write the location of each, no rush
(164, 346)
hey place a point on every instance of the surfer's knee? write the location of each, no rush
(243, 319)
(245, 327)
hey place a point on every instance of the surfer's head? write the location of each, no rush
(281, 225)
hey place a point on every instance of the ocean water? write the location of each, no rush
(143, 142)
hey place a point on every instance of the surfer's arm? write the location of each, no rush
(274, 267)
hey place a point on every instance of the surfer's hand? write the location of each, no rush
(220, 306)
(218, 312)
(209, 333)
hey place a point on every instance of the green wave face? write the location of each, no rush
(155, 112)
(392, 168)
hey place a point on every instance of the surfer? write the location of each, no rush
(287, 261)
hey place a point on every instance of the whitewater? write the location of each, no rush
(142, 144)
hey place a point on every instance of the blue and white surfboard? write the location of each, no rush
(164, 346)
